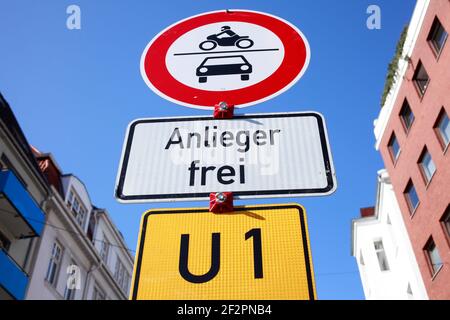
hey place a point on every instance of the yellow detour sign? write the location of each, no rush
(255, 253)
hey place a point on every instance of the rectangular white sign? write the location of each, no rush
(253, 156)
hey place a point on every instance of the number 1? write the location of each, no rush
(257, 251)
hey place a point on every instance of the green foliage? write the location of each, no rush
(392, 68)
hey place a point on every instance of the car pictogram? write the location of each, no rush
(224, 65)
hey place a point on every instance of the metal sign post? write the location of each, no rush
(220, 61)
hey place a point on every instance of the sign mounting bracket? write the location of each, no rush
(221, 202)
(223, 110)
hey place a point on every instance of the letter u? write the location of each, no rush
(215, 260)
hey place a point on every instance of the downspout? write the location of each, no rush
(93, 266)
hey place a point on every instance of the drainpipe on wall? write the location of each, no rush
(94, 267)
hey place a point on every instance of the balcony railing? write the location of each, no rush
(13, 280)
(19, 212)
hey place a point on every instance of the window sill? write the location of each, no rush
(53, 290)
(407, 130)
(446, 148)
(437, 53)
(427, 184)
(421, 93)
(437, 272)
(395, 160)
(413, 212)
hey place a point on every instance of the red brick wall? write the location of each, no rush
(435, 197)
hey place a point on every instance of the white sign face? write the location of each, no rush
(225, 68)
(253, 156)
(238, 56)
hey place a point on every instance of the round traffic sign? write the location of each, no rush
(237, 56)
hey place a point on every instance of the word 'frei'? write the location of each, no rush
(242, 141)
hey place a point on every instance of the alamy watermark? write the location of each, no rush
(73, 277)
(374, 20)
(73, 21)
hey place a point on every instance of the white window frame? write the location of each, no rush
(441, 131)
(394, 155)
(70, 199)
(381, 255)
(104, 249)
(54, 264)
(418, 80)
(69, 294)
(426, 166)
(121, 275)
(432, 35)
(77, 208)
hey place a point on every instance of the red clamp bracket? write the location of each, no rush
(223, 110)
(221, 202)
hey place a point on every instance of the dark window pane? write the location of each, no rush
(421, 78)
(446, 220)
(437, 36)
(433, 256)
(444, 129)
(411, 196)
(427, 165)
(394, 147)
(407, 115)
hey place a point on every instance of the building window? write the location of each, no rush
(81, 215)
(98, 294)
(433, 256)
(69, 292)
(394, 147)
(437, 36)
(411, 197)
(91, 227)
(446, 221)
(104, 249)
(442, 128)
(126, 282)
(70, 199)
(121, 275)
(406, 115)
(78, 210)
(381, 255)
(426, 165)
(54, 264)
(421, 78)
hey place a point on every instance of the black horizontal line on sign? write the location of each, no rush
(232, 51)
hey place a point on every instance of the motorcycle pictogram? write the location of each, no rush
(230, 39)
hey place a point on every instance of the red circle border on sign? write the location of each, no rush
(158, 78)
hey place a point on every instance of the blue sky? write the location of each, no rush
(75, 91)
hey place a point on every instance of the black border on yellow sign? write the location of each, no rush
(303, 226)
